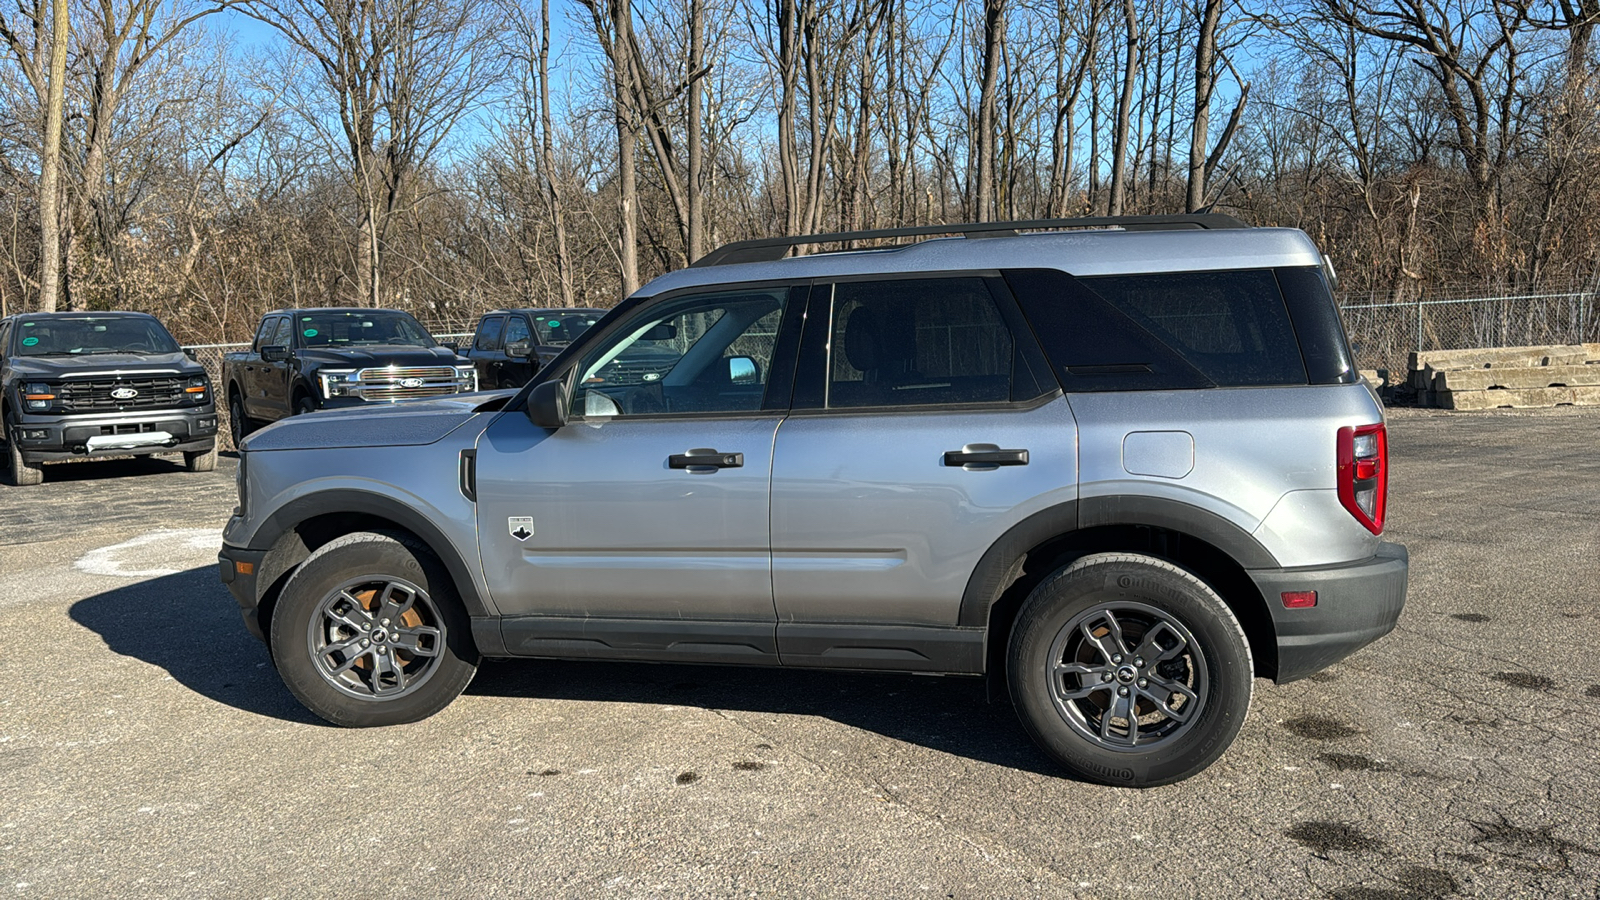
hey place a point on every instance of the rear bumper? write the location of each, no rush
(1357, 603)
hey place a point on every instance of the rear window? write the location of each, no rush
(1232, 326)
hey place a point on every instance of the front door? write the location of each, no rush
(646, 513)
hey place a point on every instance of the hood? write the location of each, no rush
(404, 423)
(103, 365)
(377, 356)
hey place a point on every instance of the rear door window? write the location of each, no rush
(918, 342)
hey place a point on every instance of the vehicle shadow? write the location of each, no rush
(188, 624)
(951, 715)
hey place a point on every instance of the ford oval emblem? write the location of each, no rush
(124, 393)
(411, 382)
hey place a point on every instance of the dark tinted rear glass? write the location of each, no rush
(1231, 326)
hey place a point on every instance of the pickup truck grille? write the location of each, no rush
(95, 396)
(391, 383)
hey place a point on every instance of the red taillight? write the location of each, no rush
(1363, 475)
(1299, 599)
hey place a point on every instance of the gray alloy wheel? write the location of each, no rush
(370, 630)
(1129, 670)
(376, 638)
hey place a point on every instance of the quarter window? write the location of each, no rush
(280, 335)
(918, 342)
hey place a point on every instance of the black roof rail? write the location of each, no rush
(770, 249)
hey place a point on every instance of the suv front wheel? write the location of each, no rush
(371, 631)
(1129, 670)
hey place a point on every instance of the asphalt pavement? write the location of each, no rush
(147, 748)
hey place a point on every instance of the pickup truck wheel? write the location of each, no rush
(239, 424)
(304, 404)
(19, 473)
(1129, 670)
(202, 460)
(371, 631)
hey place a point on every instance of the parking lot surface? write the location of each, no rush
(148, 749)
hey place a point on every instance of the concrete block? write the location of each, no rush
(1520, 377)
(1525, 398)
(1493, 357)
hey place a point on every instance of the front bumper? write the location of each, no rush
(1357, 603)
(52, 437)
(240, 569)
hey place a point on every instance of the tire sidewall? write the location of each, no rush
(1091, 582)
(378, 556)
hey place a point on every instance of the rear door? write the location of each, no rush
(925, 425)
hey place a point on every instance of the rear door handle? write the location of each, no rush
(705, 457)
(985, 455)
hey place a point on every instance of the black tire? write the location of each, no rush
(348, 583)
(303, 403)
(201, 460)
(239, 424)
(18, 472)
(1071, 669)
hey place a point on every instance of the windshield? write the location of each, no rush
(347, 329)
(88, 335)
(563, 328)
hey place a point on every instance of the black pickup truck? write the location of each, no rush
(512, 344)
(308, 359)
(76, 385)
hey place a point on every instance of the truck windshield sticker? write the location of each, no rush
(29, 341)
(310, 332)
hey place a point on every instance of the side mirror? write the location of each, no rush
(547, 405)
(274, 353)
(517, 349)
(189, 352)
(743, 370)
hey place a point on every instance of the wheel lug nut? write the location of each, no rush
(385, 621)
(366, 626)
(365, 642)
(1144, 682)
(1139, 662)
(1106, 677)
(1116, 657)
(384, 650)
(1122, 692)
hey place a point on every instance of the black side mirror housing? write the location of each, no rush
(547, 405)
(274, 353)
(517, 349)
(189, 352)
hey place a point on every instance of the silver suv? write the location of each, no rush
(1120, 466)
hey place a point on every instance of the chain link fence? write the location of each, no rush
(1383, 335)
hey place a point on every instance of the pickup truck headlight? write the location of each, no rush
(337, 383)
(467, 378)
(198, 390)
(38, 396)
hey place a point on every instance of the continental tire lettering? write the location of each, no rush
(1109, 772)
(1148, 588)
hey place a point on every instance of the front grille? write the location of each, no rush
(387, 383)
(95, 396)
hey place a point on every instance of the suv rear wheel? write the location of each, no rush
(1129, 670)
(371, 631)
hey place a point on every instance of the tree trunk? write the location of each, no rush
(697, 200)
(1119, 150)
(1205, 81)
(993, 29)
(50, 162)
(547, 162)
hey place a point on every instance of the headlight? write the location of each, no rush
(198, 389)
(467, 375)
(336, 383)
(38, 396)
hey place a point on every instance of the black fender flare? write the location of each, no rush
(1001, 565)
(289, 517)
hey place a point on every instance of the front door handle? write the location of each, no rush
(705, 457)
(985, 455)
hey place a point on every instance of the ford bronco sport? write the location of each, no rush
(1119, 466)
